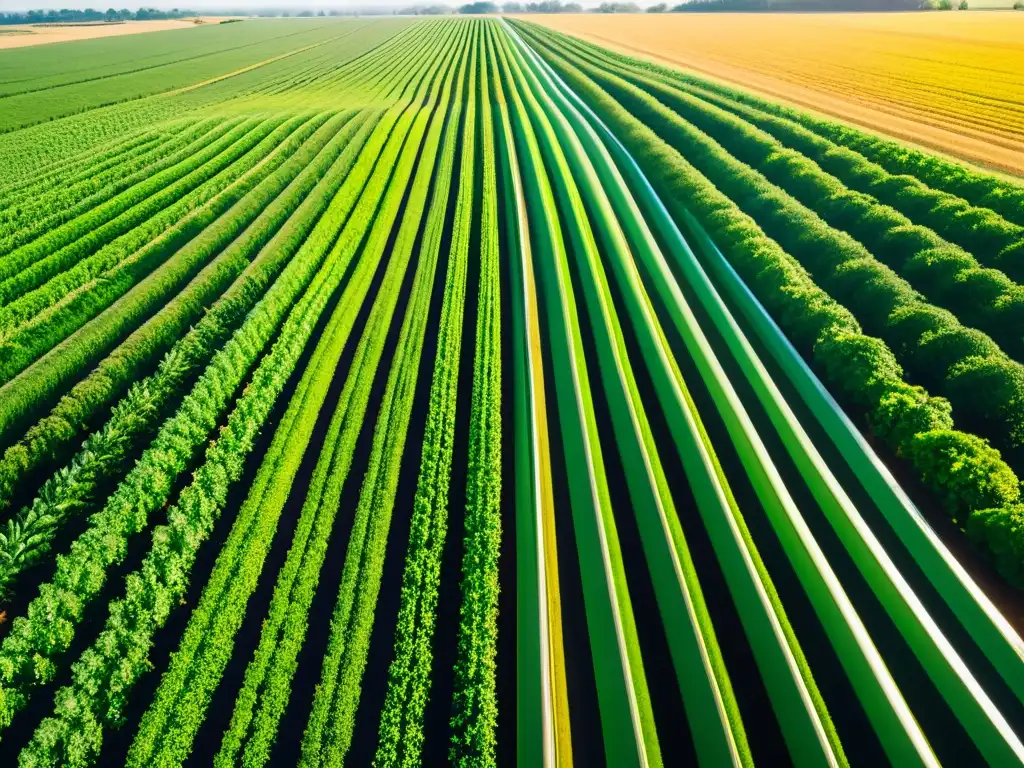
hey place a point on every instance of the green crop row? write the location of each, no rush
(330, 728)
(76, 169)
(474, 700)
(97, 336)
(976, 227)
(31, 265)
(401, 722)
(29, 654)
(986, 727)
(269, 674)
(944, 273)
(931, 343)
(979, 189)
(73, 490)
(980, 230)
(622, 689)
(543, 720)
(45, 211)
(152, 591)
(39, 319)
(170, 725)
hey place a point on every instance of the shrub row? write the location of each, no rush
(65, 245)
(930, 342)
(984, 232)
(981, 231)
(64, 203)
(863, 371)
(981, 189)
(179, 707)
(72, 490)
(400, 738)
(944, 273)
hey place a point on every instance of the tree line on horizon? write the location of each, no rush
(74, 15)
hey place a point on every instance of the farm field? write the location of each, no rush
(22, 36)
(951, 81)
(457, 391)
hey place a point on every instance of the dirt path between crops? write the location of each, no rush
(901, 120)
(22, 35)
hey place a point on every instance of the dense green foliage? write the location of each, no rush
(406, 392)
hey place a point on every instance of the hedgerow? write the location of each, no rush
(814, 321)
(978, 188)
(847, 270)
(980, 230)
(986, 298)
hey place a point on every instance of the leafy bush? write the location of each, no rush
(865, 364)
(1001, 532)
(964, 471)
(987, 391)
(904, 411)
(1011, 258)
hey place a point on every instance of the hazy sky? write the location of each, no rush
(198, 5)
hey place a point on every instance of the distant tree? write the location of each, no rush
(963, 5)
(617, 8)
(945, 5)
(1018, 6)
(659, 8)
(553, 6)
(512, 8)
(482, 6)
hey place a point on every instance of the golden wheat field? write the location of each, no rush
(953, 80)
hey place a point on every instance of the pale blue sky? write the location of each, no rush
(199, 5)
